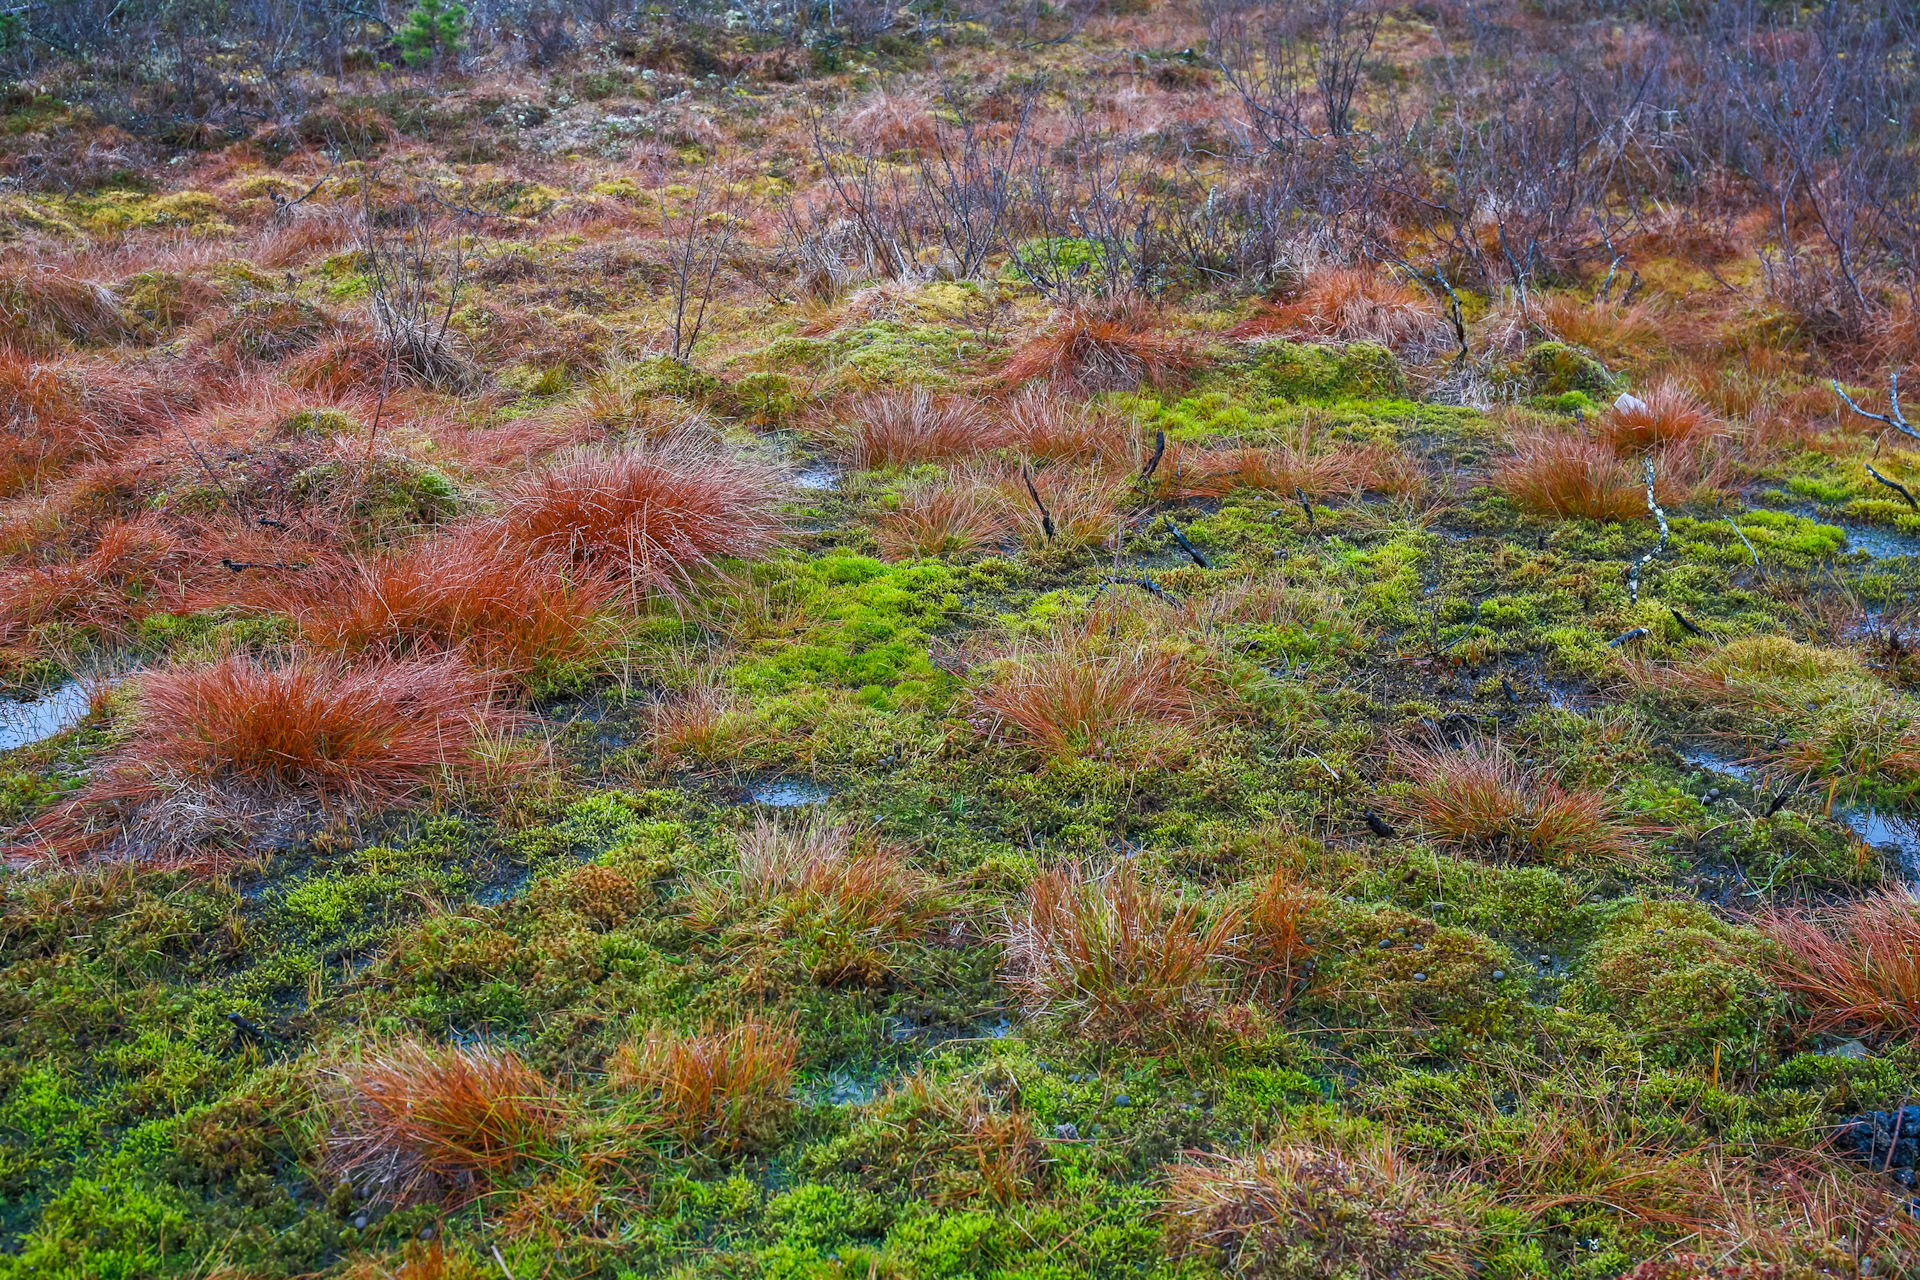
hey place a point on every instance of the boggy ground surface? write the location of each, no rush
(1093, 746)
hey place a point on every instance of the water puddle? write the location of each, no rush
(820, 478)
(24, 723)
(1887, 831)
(1897, 832)
(788, 793)
(1881, 544)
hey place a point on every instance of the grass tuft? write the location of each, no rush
(656, 516)
(1114, 347)
(1855, 964)
(715, 1091)
(1113, 954)
(1478, 797)
(424, 1124)
(1298, 1211)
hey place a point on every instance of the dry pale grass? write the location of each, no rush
(1117, 346)
(44, 310)
(1299, 1211)
(1479, 797)
(1856, 964)
(715, 1091)
(417, 1123)
(885, 121)
(1113, 954)
(657, 516)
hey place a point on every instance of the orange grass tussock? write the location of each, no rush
(654, 515)
(1071, 695)
(416, 1123)
(1113, 953)
(1114, 347)
(506, 612)
(714, 1090)
(373, 733)
(1565, 474)
(1479, 797)
(1856, 964)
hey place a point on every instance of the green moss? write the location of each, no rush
(1554, 369)
(1308, 371)
(1681, 983)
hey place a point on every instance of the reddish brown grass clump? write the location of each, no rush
(1479, 797)
(1116, 347)
(716, 1091)
(1077, 696)
(1856, 964)
(1048, 427)
(896, 430)
(370, 734)
(953, 516)
(1299, 1210)
(1351, 305)
(1563, 474)
(424, 1124)
(1667, 414)
(656, 515)
(509, 614)
(1278, 945)
(1116, 955)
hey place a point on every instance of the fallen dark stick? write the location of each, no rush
(1779, 802)
(1159, 452)
(1046, 517)
(1378, 825)
(1896, 486)
(1638, 633)
(237, 565)
(1507, 686)
(1305, 506)
(248, 1031)
(1143, 582)
(1186, 546)
(1685, 622)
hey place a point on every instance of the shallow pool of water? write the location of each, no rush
(787, 793)
(26, 722)
(1881, 830)
(821, 477)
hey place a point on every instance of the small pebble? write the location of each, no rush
(1066, 1132)
(1499, 974)
(1385, 943)
(1419, 977)
(360, 1222)
(1122, 1100)
(426, 1233)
